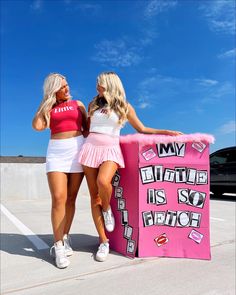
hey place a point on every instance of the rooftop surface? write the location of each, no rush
(28, 269)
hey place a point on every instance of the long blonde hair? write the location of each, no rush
(51, 86)
(114, 94)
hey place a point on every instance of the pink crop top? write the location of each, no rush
(66, 116)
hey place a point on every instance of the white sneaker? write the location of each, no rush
(109, 220)
(103, 251)
(67, 244)
(60, 256)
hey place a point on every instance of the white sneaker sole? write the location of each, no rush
(101, 259)
(109, 229)
(65, 265)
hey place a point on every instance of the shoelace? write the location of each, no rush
(60, 251)
(107, 217)
(102, 248)
(53, 247)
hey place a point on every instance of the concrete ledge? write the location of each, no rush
(26, 180)
(21, 159)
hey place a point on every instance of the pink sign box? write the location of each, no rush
(161, 198)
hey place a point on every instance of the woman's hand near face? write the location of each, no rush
(39, 122)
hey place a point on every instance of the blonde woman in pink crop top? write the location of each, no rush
(101, 154)
(67, 120)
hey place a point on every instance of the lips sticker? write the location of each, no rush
(161, 240)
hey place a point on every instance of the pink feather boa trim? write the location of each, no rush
(155, 138)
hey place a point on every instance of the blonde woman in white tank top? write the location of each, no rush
(101, 155)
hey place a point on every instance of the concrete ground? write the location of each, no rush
(28, 269)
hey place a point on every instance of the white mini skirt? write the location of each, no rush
(62, 155)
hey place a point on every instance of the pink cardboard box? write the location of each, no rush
(161, 198)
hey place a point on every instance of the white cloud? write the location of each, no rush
(89, 8)
(171, 86)
(155, 7)
(216, 93)
(143, 104)
(228, 127)
(228, 54)
(157, 80)
(36, 5)
(154, 89)
(206, 82)
(149, 34)
(126, 51)
(220, 15)
(196, 93)
(143, 99)
(116, 53)
(151, 10)
(85, 7)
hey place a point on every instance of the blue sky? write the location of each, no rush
(175, 58)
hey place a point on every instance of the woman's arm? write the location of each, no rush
(85, 121)
(89, 119)
(138, 125)
(39, 122)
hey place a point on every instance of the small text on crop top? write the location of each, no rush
(66, 116)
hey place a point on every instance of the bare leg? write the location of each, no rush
(91, 176)
(106, 172)
(58, 187)
(73, 185)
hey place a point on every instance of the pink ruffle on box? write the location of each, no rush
(152, 139)
(161, 198)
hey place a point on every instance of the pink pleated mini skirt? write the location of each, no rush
(99, 148)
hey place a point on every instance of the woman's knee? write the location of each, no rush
(103, 184)
(58, 200)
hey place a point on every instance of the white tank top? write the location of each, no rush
(105, 123)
